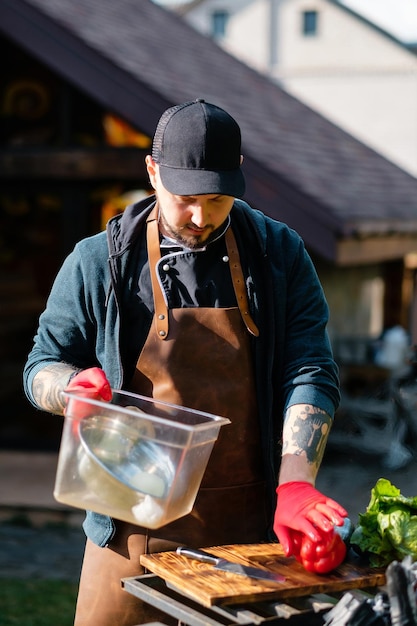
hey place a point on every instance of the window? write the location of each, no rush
(310, 22)
(219, 21)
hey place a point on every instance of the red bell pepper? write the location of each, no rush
(320, 557)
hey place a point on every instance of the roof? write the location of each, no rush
(137, 58)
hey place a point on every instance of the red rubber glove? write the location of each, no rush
(319, 557)
(302, 508)
(91, 383)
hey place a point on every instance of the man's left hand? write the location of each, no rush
(303, 509)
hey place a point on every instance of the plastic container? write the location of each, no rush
(135, 459)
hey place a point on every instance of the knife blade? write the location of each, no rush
(228, 566)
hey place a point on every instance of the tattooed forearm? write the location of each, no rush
(49, 384)
(306, 429)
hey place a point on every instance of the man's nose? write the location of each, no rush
(200, 214)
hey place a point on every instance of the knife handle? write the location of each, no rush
(198, 555)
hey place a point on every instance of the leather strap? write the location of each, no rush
(154, 254)
(161, 310)
(239, 283)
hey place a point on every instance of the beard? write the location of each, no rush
(182, 235)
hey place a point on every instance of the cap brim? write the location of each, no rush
(184, 182)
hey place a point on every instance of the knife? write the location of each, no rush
(229, 566)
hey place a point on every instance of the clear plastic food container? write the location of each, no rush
(135, 459)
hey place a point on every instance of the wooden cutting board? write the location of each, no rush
(209, 586)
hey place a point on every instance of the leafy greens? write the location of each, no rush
(387, 531)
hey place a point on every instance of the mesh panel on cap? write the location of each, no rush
(160, 129)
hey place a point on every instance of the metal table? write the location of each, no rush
(303, 611)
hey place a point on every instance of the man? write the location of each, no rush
(194, 297)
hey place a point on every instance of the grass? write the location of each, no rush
(37, 602)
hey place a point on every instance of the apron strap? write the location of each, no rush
(154, 254)
(239, 282)
(161, 309)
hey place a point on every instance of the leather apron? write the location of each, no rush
(199, 358)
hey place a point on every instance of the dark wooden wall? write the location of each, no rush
(59, 165)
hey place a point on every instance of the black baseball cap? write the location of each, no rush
(197, 146)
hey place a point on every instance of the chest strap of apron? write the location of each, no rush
(161, 309)
(239, 282)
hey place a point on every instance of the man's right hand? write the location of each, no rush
(90, 383)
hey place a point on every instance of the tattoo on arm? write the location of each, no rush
(48, 385)
(306, 429)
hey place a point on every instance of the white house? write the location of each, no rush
(334, 60)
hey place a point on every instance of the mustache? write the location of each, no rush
(200, 228)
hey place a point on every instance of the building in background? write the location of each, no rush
(83, 88)
(342, 64)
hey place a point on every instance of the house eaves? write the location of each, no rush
(363, 250)
(137, 59)
(373, 26)
(182, 8)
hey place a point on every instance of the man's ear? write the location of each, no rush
(151, 168)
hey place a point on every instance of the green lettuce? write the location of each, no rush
(387, 531)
